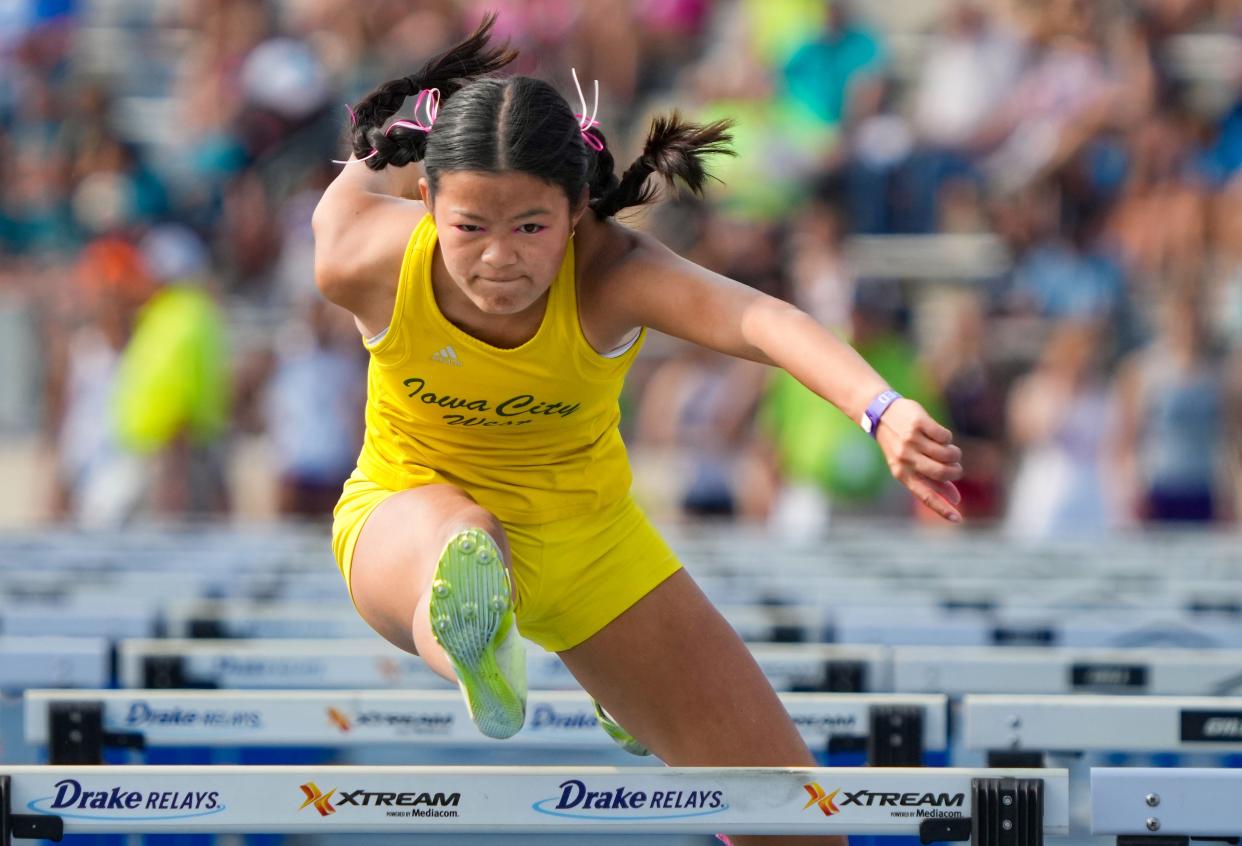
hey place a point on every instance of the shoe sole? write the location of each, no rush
(470, 603)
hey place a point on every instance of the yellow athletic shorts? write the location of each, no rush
(574, 576)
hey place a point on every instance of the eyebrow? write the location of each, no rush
(528, 213)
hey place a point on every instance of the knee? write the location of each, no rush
(470, 515)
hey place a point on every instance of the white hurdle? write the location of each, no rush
(76, 726)
(53, 662)
(959, 671)
(1166, 806)
(366, 663)
(1103, 723)
(997, 807)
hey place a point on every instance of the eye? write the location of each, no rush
(531, 228)
(467, 227)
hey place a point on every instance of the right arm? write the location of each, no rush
(361, 227)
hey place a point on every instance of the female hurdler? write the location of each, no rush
(502, 306)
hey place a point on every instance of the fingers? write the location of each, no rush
(923, 457)
(936, 496)
(935, 471)
(949, 491)
(938, 462)
(933, 430)
(937, 451)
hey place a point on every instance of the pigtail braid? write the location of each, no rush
(674, 149)
(448, 72)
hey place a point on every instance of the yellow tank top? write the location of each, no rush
(530, 432)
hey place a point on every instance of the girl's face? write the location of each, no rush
(502, 236)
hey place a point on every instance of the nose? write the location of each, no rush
(499, 253)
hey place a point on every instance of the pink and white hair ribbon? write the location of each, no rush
(586, 124)
(429, 96)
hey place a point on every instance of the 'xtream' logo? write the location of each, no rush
(321, 801)
(338, 719)
(822, 799)
(402, 804)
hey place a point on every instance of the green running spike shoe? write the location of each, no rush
(623, 738)
(472, 618)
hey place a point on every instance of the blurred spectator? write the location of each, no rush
(1073, 86)
(171, 399)
(823, 282)
(35, 213)
(820, 452)
(974, 400)
(1224, 293)
(1173, 400)
(1065, 273)
(1159, 225)
(695, 413)
(878, 145)
(1058, 419)
(312, 409)
(969, 68)
(84, 345)
(821, 73)
(115, 187)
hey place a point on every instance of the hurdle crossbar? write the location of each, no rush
(958, 671)
(1111, 723)
(77, 725)
(53, 662)
(937, 805)
(373, 663)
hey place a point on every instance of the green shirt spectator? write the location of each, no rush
(817, 444)
(173, 375)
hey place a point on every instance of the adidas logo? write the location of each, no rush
(448, 355)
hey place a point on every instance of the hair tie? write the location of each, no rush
(374, 152)
(586, 124)
(430, 96)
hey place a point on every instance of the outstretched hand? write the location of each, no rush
(922, 456)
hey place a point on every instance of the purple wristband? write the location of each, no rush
(870, 419)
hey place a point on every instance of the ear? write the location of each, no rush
(424, 191)
(580, 208)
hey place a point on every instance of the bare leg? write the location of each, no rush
(395, 560)
(677, 677)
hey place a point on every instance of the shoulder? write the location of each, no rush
(360, 244)
(614, 266)
(612, 258)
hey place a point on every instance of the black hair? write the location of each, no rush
(519, 123)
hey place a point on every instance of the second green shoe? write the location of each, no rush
(622, 737)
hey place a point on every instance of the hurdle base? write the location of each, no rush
(25, 826)
(895, 737)
(945, 831)
(1007, 812)
(77, 735)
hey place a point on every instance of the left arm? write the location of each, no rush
(652, 286)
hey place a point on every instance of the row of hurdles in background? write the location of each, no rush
(831, 623)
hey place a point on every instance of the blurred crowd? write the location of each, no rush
(159, 163)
